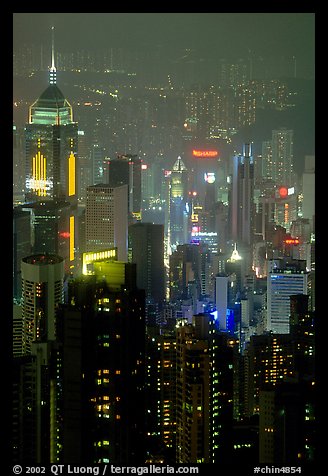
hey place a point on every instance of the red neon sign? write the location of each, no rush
(283, 192)
(292, 241)
(204, 153)
(64, 234)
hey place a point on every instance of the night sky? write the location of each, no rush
(210, 35)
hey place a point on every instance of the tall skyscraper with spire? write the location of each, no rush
(51, 171)
(51, 145)
(178, 214)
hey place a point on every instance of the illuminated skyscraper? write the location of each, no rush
(51, 146)
(285, 278)
(106, 219)
(98, 164)
(178, 212)
(242, 198)
(51, 158)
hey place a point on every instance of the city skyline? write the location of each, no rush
(174, 185)
(205, 34)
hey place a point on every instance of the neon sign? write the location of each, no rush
(292, 241)
(283, 192)
(205, 153)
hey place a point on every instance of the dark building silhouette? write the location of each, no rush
(53, 229)
(103, 392)
(22, 246)
(125, 169)
(146, 241)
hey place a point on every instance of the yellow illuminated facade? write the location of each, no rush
(71, 175)
(39, 174)
(71, 237)
(89, 258)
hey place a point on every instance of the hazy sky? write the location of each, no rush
(220, 35)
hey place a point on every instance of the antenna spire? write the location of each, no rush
(52, 76)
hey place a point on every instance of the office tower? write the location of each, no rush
(283, 157)
(178, 211)
(53, 229)
(285, 278)
(42, 291)
(242, 198)
(204, 393)
(184, 269)
(308, 190)
(106, 219)
(51, 146)
(204, 169)
(147, 252)
(51, 160)
(235, 265)
(210, 202)
(85, 166)
(35, 378)
(221, 300)
(22, 246)
(103, 395)
(98, 165)
(221, 217)
(126, 170)
(153, 180)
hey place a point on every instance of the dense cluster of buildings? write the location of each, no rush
(161, 314)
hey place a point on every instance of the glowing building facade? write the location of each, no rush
(51, 141)
(51, 148)
(106, 218)
(285, 278)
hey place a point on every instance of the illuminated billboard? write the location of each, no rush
(205, 153)
(92, 257)
(209, 177)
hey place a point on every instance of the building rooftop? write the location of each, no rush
(43, 259)
(52, 97)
